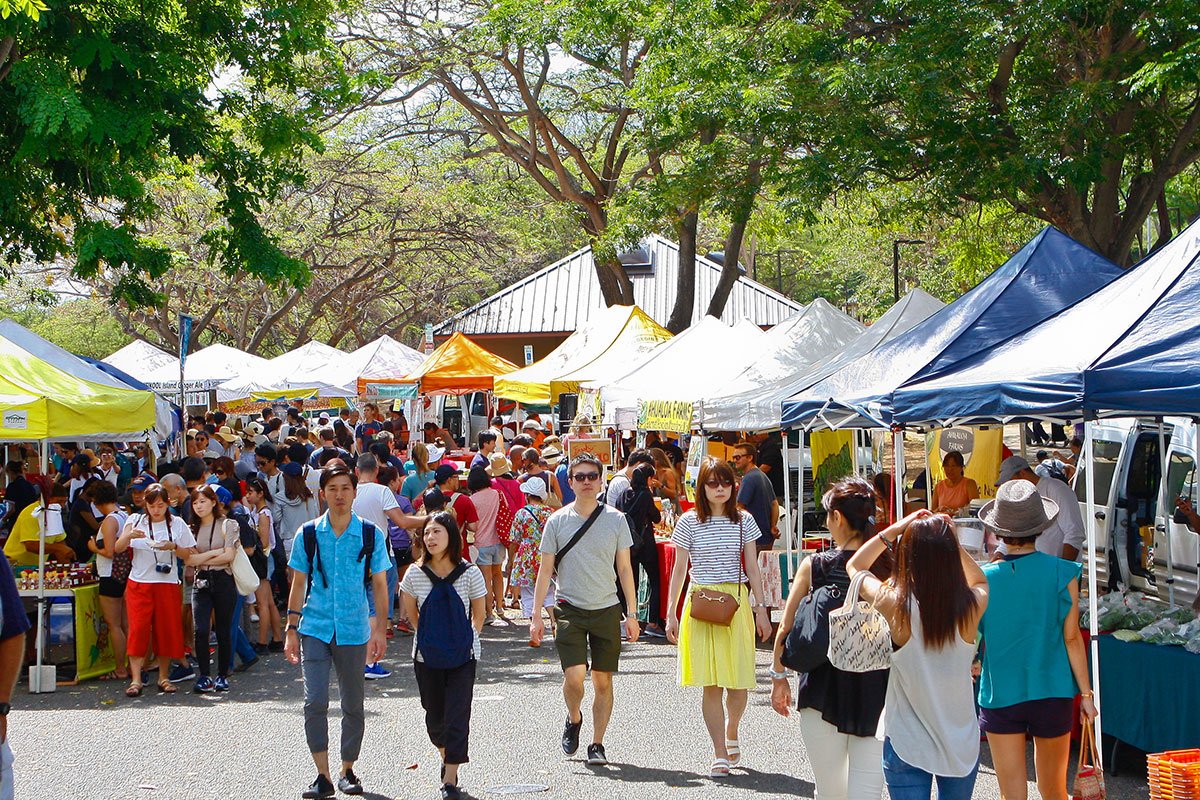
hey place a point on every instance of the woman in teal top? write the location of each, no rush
(1034, 661)
(417, 481)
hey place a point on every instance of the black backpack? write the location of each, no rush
(806, 646)
(247, 533)
(314, 554)
(445, 637)
(1054, 471)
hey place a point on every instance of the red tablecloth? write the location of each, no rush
(666, 563)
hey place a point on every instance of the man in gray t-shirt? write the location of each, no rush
(589, 614)
(756, 496)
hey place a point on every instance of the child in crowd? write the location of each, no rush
(527, 527)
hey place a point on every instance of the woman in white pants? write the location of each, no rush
(839, 711)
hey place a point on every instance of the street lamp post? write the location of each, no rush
(896, 265)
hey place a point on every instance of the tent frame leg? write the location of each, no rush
(1089, 475)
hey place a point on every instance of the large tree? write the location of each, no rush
(96, 99)
(1077, 113)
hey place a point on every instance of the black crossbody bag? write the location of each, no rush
(558, 557)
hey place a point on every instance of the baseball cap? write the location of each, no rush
(292, 469)
(532, 425)
(323, 416)
(143, 481)
(444, 473)
(1009, 468)
(223, 494)
(534, 486)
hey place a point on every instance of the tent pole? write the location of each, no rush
(41, 598)
(928, 471)
(1021, 428)
(1089, 476)
(1162, 510)
(898, 470)
(788, 536)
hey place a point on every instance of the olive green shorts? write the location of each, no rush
(579, 629)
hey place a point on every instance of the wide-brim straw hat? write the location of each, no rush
(1018, 511)
(498, 464)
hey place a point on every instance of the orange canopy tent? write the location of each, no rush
(459, 366)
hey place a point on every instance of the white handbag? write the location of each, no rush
(859, 637)
(244, 576)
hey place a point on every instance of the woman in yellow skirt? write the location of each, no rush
(718, 538)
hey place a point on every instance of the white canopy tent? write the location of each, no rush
(384, 359)
(139, 358)
(280, 373)
(682, 368)
(788, 349)
(206, 369)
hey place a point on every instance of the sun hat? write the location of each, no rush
(498, 465)
(1018, 511)
(435, 453)
(552, 455)
(254, 428)
(323, 416)
(212, 451)
(227, 434)
(444, 473)
(534, 486)
(1009, 468)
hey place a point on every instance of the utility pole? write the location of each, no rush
(896, 265)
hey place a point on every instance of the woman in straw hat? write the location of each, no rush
(1034, 661)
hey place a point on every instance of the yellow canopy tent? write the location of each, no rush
(39, 401)
(617, 332)
(459, 366)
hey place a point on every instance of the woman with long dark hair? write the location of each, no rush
(270, 625)
(637, 503)
(446, 688)
(152, 597)
(214, 593)
(714, 541)
(933, 603)
(839, 711)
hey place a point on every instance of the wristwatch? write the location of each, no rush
(4, 709)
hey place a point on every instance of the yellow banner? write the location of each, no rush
(674, 416)
(832, 458)
(93, 649)
(981, 449)
(589, 403)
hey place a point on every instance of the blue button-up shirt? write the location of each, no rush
(338, 610)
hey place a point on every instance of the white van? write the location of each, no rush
(1131, 527)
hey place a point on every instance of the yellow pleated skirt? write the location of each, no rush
(716, 655)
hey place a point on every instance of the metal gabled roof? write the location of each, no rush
(562, 297)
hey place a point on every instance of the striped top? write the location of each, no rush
(715, 546)
(469, 586)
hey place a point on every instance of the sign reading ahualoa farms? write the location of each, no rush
(665, 415)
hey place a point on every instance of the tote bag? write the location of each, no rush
(859, 637)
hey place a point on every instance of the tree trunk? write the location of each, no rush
(685, 287)
(740, 217)
(615, 286)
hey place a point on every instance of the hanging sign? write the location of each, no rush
(600, 448)
(185, 338)
(390, 391)
(528, 354)
(674, 416)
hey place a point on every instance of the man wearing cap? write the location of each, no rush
(558, 465)
(446, 478)
(1065, 537)
(134, 501)
(535, 431)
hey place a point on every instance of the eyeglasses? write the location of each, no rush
(717, 483)
(584, 477)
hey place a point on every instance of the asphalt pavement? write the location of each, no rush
(89, 741)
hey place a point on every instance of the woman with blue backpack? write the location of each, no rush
(443, 598)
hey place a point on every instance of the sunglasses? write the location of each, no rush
(584, 477)
(740, 456)
(717, 483)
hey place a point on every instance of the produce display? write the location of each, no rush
(58, 576)
(1135, 618)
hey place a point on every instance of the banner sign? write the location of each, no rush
(16, 420)
(674, 416)
(600, 448)
(588, 402)
(93, 648)
(185, 338)
(697, 450)
(832, 458)
(390, 391)
(981, 449)
(283, 398)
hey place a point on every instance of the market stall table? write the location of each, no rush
(93, 649)
(1149, 694)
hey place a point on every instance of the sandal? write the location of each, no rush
(114, 676)
(719, 768)
(166, 687)
(134, 690)
(734, 751)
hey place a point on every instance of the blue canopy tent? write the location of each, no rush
(1048, 274)
(1132, 348)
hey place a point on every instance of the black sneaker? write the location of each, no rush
(349, 783)
(596, 756)
(320, 789)
(570, 739)
(451, 792)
